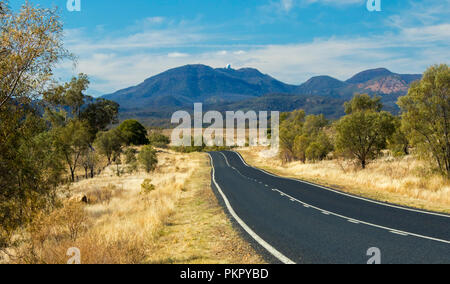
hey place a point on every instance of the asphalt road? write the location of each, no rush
(297, 222)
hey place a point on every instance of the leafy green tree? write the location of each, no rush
(133, 132)
(301, 144)
(426, 116)
(290, 127)
(30, 171)
(363, 102)
(363, 133)
(70, 94)
(109, 144)
(100, 114)
(398, 143)
(72, 141)
(148, 159)
(30, 168)
(319, 148)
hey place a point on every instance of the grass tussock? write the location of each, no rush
(169, 216)
(406, 181)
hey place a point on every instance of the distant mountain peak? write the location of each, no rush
(368, 75)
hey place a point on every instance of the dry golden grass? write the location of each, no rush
(405, 181)
(180, 221)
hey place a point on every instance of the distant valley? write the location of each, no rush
(222, 89)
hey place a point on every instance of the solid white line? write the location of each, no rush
(257, 238)
(343, 193)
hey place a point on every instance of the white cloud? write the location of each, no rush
(177, 55)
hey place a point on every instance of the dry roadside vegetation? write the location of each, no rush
(400, 180)
(176, 220)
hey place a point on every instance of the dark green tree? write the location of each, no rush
(133, 132)
(364, 131)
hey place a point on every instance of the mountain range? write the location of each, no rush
(154, 100)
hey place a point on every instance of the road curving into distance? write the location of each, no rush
(294, 221)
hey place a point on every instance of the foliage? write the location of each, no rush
(31, 45)
(147, 186)
(109, 144)
(363, 133)
(133, 132)
(72, 140)
(148, 159)
(363, 102)
(100, 114)
(157, 139)
(30, 167)
(426, 116)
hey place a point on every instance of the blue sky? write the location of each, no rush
(121, 43)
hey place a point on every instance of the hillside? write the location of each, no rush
(157, 98)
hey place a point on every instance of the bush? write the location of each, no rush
(148, 159)
(159, 140)
(147, 186)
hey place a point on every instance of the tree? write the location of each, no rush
(148, 159)
(30, 167)
(72, 141)
(109, 143)
(31, 45)
(398, 143)
(133, 132)
(100, 114)
(426, 116)
(88, 161)
(363, 102)
(70, 94)
(291, 126)
(319, 148)
(364, 131)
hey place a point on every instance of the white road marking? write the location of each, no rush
(399, 233)
(343, 193)
(257, 238)
(348, 218)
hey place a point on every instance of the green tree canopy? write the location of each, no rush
(109, 144)
(133, 132)
(363, 102)
(100, 114)
(363, 133)
(426, 116)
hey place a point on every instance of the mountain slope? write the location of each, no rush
(197, 83)
(222, 89)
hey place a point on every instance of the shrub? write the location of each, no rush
(147, 186)
(147, 158)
